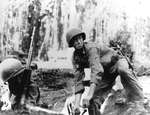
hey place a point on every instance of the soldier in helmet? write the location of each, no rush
(20, 55)
(12, 70)
(105, 65)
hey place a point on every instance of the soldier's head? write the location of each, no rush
(8, 67)
(18, 54)
(75, 38)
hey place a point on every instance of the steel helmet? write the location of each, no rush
(8, 67)
(71, 34)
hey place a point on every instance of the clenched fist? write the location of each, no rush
(86, 101)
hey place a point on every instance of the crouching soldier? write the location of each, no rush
(13, 72)
(105, 65)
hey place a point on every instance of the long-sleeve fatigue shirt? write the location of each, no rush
(94, 56)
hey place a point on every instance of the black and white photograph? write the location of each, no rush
(74, 57)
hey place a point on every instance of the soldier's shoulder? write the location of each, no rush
(19, 53)
(91, 45)
(100, 46)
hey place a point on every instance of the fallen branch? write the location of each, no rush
(36, 108)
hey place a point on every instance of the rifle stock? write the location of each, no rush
(129, 63)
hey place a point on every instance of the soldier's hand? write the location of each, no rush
(76, 111)
(73, 109)
(86, 101)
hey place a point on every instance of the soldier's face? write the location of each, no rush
(78, 42)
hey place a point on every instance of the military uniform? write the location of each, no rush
(105, 66)
(12, 71)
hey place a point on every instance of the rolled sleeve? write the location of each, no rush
(95, 65)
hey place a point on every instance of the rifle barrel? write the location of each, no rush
(31, 49)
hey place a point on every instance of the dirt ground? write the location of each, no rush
(56, 86)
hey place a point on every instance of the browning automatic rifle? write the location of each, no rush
(127, 59)
(27, 71)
